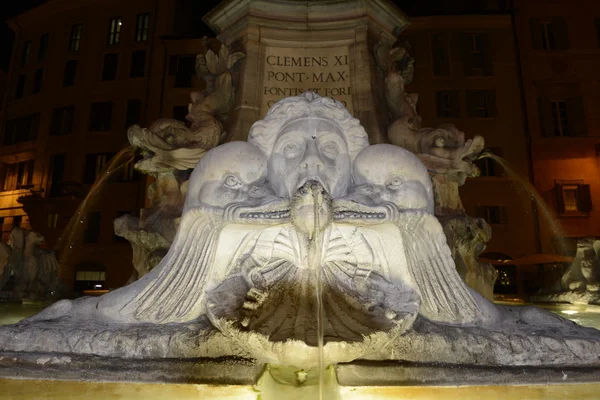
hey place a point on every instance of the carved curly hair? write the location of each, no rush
(264, 133)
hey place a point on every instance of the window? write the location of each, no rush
(20, 87)
(75, 37)
(183, 67)
(447, 104)
(89, 276)
(17, 176)
(477, 54)
(129, 173)
(138, 64)
(43, 47)
(550, 34)
(70, 73)
(141, 27)
(562, 117)
(52, 221)
(25, 174)
(109, 69)
(25, 54)
(37, 81)
(180, 112)
(573, 197)
(114, 30)
(92, 230)
(481, 103)
(488, 166)
(94, 165)
(57, 172)
(62, 121)
(493, 215)
(548, 40)
(100, 116)
(134, 111)
(23, 129)
(441, 60)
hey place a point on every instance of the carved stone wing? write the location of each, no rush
(444, 296)
(176, 295)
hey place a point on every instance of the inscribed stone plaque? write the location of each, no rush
(291, 71)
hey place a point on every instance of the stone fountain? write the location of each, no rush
(28, 271)
(301, 248)
(580, 283)
(304, 248)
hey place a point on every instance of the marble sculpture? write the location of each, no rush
(580, 283)
(305, 207)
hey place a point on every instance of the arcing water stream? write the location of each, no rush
(72, 232)
(316, 265)
(525, 186)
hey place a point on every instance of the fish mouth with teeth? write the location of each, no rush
(274, 212)
(350, 211)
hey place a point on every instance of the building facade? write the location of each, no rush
(466, 74)
(81, 73)
(521, 75)
(559, 47)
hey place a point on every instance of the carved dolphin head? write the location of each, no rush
(233, 172)
(388, 173)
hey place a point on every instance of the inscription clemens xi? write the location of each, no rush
(292, 71)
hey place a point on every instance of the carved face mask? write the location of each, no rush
(234, 172)
(310, 149)
(388, 173)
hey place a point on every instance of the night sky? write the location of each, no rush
(412, 8)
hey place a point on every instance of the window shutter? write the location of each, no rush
(30, 165)
(55, 125)
(173, 63)
(35, 124)
(438, 104)
(488, 52)
(536, 33)
(585, 198)
(490, 101)
(465, 43)
(561, 32)
(471, 101)
(455, 104)
(545, 114)
(560, 201)
(576, 117)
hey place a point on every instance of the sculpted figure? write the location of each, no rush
(228, 179)
(584, 272)
(397, 67)
(393, 185)
(311, 142)
(35, 270)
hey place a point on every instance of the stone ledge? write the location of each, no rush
(389, 373)
(53, 366)
(239, 371)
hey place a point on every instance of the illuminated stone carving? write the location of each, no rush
(34, 270)
(580, 283)
(305, 234)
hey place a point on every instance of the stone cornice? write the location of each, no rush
(302, 14)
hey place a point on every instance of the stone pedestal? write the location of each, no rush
(295, 46)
